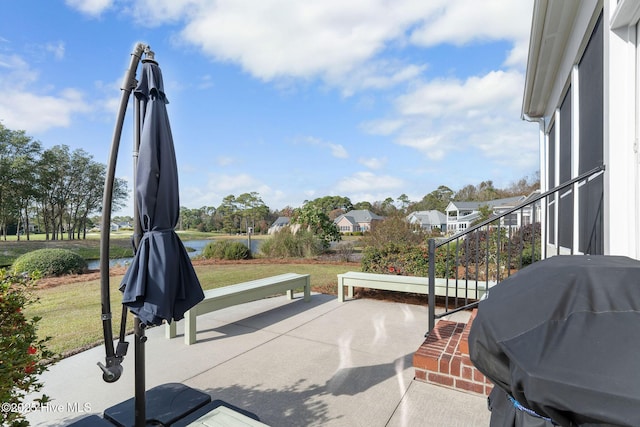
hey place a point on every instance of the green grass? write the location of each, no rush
(119, 246)
(89, 248)
(71, 312)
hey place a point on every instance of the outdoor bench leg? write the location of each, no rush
(350, 291)
(290, 294)
(190, 327)
(170, 330)
(307, 289)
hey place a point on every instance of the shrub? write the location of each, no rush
(285, 244)
(344, 250)
(50, 262)
(393, 229)
(528, 257)
(394, 258)
(21, 351)
(226, 249)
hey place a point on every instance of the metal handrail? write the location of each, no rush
(433, 246)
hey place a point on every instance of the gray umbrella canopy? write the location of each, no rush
(160, 283)
(561, 337)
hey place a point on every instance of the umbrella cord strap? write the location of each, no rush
(531, 412)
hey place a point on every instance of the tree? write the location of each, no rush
(330, 203)
(466, 194)
(18, 154)
(363, 206)
(524, 186)
(436, 200)
(251, 208)
(404, 201)
(311, 217)
(229, 213)
(485, 212)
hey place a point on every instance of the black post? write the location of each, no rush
(138, 328)
(139, 363)
(112, 369)
(432, 285)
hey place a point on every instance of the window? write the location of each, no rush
(551, 177)
(565, 201)
(591, 107)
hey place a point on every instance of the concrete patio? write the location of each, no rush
(292, 363)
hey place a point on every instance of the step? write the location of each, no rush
(443, 359)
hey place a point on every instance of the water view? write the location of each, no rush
(194, 249)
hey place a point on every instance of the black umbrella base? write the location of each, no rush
(173, 404)
(166, 404)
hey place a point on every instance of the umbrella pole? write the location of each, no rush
(140, 391)
(138, 328)
(112, 370)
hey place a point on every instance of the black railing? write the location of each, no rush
(469, 263)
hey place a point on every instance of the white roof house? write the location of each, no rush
(279, 224)
(460, 214)
(582, 86)
(428, 220)
(356, 220)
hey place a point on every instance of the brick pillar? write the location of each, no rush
(443, 359)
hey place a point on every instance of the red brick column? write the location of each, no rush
(443, 359)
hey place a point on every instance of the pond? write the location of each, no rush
(194, 249)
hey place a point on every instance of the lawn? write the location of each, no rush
(89, 248)
(70, 312)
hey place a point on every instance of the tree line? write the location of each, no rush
(60, 190)
(238, 214)
(51, 190)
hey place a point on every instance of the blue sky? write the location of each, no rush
(295, 100)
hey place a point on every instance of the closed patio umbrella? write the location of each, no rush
(160, 284)
(560, 338)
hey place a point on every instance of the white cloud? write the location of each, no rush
(373, 162)
(157, 12)
(479, 114)
(368, 181)
(463, 21)
(224, 160)
(218, 186)
(383, 126)
(274, 39)
(90, 7)
(36, 113)
(23, 109)
(56, 48)
(341, 43)
(337, 150)
(518, 56)
(475, 95)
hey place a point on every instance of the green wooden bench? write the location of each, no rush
(227, 296)
(412, 284)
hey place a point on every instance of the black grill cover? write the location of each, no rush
(562, 337)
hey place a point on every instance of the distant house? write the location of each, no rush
(356, 220)
(117, 226)
(428, 220)
(279, 224)
(460, 215)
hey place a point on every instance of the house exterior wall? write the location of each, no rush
(345, 226)
(622, 98)
(620, 212)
